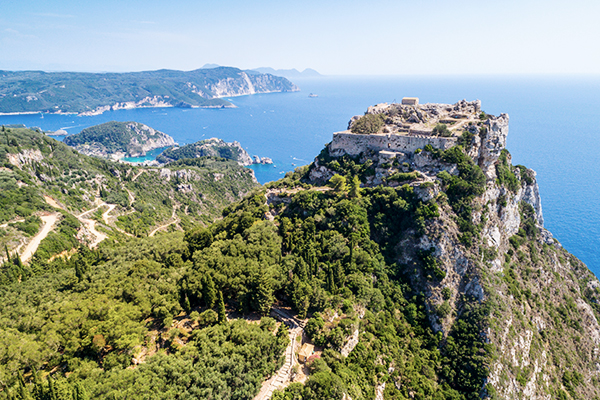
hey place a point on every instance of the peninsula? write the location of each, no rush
(95, 93)
(212, 148)
(114, 140)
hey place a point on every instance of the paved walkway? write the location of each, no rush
(283, 377)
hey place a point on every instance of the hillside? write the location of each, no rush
(416, 264)
(115, 140)
(89, 200)
(211, 147)
(94, 93)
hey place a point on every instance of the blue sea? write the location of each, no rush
(554, 129)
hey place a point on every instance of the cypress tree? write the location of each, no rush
(263, 295)
(209, 292)
(38, 387)
(354, 187)
(51, 389)
(222, 315)
(79, 392)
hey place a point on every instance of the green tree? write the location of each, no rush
(198, 239)
(209, 292)
(81, 266)
(221, 309)
(263, 294)
(441, 130)
(368, 124)
(354, 187)
(338, 183)
(79, 392)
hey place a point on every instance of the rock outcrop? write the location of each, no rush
(484, 249)
(213, 147)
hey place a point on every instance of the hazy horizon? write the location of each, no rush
(382, 38)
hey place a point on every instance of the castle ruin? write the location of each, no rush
(408, 127)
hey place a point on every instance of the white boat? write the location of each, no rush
(313, 95)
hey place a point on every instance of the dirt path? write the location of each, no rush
(11, 222)
(49, 221)
(130, 196)
(138, 174)
(105, 213)
(52, 202)
(175, 220)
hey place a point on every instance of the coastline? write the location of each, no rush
(108, 108)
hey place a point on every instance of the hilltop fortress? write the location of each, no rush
(397, 131)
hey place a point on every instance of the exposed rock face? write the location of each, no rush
(247, 84)
(543, 301)
(27, 156)
(491, 144)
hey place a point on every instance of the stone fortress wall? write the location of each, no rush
(354, 144)
(408, 127)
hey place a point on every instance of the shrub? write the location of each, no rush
(444, 309)
(446, 293)
(368, 124)
(441, 130)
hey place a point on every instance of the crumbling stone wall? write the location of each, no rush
(354, 144)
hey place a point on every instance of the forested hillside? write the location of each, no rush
(115, 140)
(79, 92)
(431, 282)
(45, 184)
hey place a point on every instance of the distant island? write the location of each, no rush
(94, 93)
(286, 73)
(114, 140)
(214, 148)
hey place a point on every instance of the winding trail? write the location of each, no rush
(138, 174)
(90, 224)
(282, 378)
(175, 220)
(49, 221)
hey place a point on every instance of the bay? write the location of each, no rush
(553, 129)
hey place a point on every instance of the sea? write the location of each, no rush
(554, 129)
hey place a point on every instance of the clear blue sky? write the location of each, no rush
(335, 38)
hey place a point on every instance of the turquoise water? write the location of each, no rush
(554, 129)
(150, 155)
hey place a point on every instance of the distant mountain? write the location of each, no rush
(210, 66)
(288, 73)
(115, 140)
(94, 93)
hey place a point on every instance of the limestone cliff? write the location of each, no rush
(481, 248)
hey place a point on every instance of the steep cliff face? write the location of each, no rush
(245, 84)
(481, 250)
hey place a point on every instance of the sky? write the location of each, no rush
(334, 37)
